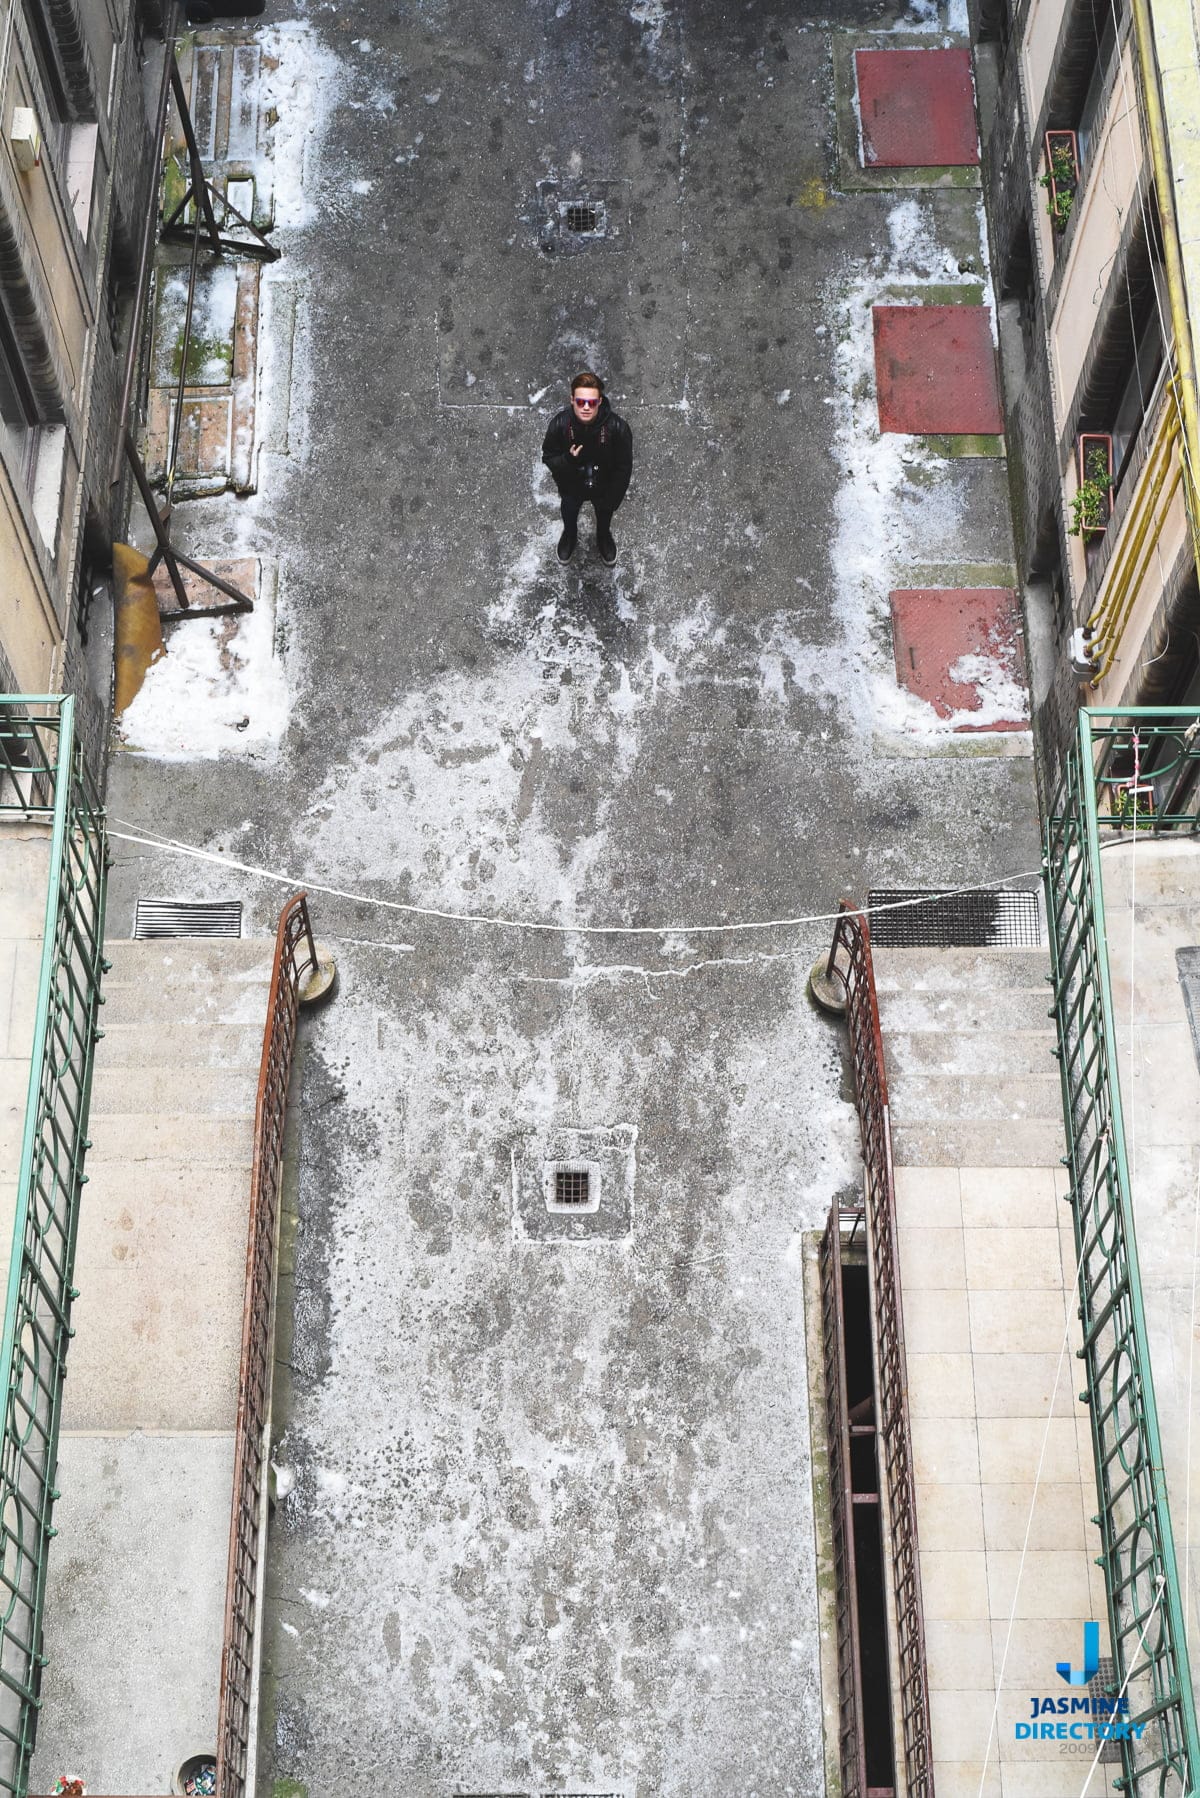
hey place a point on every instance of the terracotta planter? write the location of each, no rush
(1062, 175)
(1094, 462)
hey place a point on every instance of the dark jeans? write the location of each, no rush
(572, 505)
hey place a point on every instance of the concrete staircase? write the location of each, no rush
(967, 1041)
(150, 1405)
(987, 1274)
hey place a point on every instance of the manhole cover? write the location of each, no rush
(574, 1185)
(573, 220)
(184, 917)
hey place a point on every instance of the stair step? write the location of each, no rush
(1011, 1009)
(978, 971)
(1028, 1143)
(181, 1046)
(974, 1098)
(209, 1092)
(942, 1052)
(205, 1005)
(131, 1137)
(181, 960)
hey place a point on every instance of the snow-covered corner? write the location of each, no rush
(872, 542)
(219, 690)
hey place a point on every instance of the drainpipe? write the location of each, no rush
(1176, 292)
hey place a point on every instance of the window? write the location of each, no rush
(54, 107)
(18, 408)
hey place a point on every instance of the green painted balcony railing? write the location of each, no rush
(43, 781)
(1127, 771)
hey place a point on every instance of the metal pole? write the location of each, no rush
(145, 248)
(164, 542)
(200, 193)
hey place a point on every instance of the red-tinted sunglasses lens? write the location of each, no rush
(587, 404)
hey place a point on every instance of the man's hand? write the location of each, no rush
(576, 448)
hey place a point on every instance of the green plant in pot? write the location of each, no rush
(1090, 501)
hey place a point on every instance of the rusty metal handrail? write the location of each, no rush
(295, 957)
(850, 962)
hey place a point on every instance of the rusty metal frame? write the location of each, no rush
(852, 1752)
(295, 958)
(850, 963)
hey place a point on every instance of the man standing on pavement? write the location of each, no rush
(589, 451)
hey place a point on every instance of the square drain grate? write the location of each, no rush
(924, 918)
(571, 1186)
(1100, 1688)
(582, 218)
(185, 917)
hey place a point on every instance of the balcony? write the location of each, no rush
(1123, 878)
(52, 877)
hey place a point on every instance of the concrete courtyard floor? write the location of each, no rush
(545, 1516)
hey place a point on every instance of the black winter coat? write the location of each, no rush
(601, 470)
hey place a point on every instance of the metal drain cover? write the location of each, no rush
(572, 219)
(924, 918)
(187, 917)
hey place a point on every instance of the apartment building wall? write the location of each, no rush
(1086, 345)
(70, 227)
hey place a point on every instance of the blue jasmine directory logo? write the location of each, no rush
(1107, 1719)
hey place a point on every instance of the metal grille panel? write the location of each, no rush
(926, 918)
(1145, 1603)
(185, 917)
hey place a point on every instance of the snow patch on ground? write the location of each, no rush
(218, 690)
(651, 16)
(872, 542)
(1002, 696)
(304, 88)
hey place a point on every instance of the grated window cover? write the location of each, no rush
(581, 218)
(982, 920)
(185, 917)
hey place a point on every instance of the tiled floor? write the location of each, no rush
(1003, 1465)
(1151, 909)
(24, 871)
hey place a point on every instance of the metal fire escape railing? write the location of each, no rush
(852, 1752)
(295, 960)
(43, 779)
(1152, 758)
(850, 962)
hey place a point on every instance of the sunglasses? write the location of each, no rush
(586, 404)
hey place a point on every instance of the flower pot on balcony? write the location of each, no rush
(1091, 506)
(1062, 176)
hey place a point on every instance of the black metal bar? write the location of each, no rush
(165, 550)
(200, 185)
(146, 246)
(184, 349)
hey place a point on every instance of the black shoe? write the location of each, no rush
(566, 545)
(606, 548)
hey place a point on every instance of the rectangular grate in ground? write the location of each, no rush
(926, 918)
(1103, 1686)
(185, 917)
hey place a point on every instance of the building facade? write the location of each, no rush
(81, 81)
(1088, 112)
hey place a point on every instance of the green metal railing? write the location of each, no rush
(1126, 771)
(43, 780)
